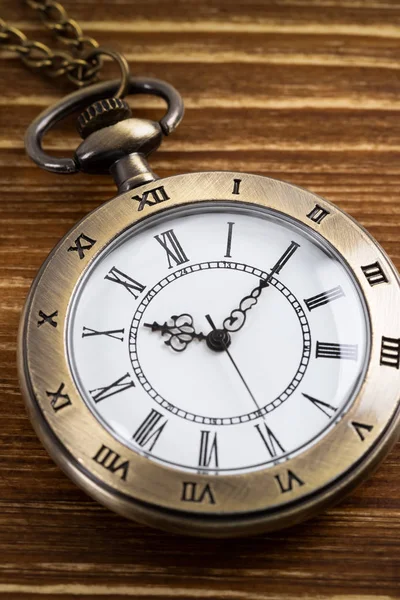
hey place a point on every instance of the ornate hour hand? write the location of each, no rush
(180, 332)
(237, 318)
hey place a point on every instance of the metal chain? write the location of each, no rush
(81, 65)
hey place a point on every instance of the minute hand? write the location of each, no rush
(237, 318)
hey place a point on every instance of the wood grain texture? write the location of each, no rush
(303, 90)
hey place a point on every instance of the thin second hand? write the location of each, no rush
(211, 322)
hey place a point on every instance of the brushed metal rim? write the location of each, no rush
(249, 502)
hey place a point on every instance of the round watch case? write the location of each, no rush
(196, 503)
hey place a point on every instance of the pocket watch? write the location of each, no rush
(214, 353)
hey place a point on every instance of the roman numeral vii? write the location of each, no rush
(208, 449)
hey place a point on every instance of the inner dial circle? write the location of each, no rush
(284, 303)
(274, 384)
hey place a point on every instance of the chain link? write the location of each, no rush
(75, 64)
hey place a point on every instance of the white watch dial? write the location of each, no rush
(218, 338)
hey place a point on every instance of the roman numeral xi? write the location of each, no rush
(131, 285)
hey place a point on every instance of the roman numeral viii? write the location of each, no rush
(131, 285)
(324, 298)
(150, 430)
(172, 247)
(271, 442)
(208, 449)
(123, 383)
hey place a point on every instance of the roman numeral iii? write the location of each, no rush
(346, 351)
(390, 352)
(172, 247)
(324, 298)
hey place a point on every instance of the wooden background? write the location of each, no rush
(302, 90)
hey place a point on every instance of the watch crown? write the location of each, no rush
(102, 113)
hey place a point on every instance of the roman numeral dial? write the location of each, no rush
(217, 338)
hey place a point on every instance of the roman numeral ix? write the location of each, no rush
(116, 334)
(172, 247)
(150, 430)
(134, 287)
(123, 383)
(324, 298)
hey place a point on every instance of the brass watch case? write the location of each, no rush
(152, 492)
